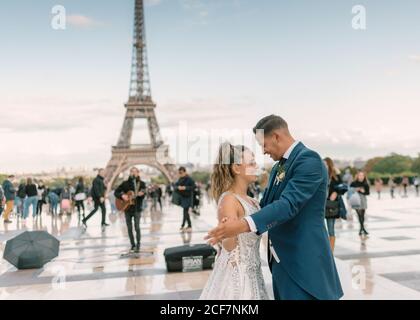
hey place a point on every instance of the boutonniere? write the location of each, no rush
(281, 173)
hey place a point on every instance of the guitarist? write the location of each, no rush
(133, 211)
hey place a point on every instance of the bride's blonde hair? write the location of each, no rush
(223, 177)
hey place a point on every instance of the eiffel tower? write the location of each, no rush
(139, 106)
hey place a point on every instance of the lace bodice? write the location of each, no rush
(247, 251)
(237, 274)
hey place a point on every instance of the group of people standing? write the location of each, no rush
(403, 185)
(32, 195)
(356, 187)
(27, 195)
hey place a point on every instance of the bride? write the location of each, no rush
(237, 273)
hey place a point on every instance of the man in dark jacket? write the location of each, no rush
(20, 197)
(10, 194)
(136, 185)
(98, 197)
(185, 188)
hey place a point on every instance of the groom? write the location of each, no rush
(292, 212)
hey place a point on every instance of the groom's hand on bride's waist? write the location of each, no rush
(227, 229)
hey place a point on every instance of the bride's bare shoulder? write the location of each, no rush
(229, 207)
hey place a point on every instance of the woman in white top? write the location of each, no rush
(237, 273)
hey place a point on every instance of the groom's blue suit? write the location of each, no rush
(293, 214)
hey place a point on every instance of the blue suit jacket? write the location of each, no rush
(293, 213)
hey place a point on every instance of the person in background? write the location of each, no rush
(20, 198)
(334, 180)
(133, 212)
(80, 197)
(392, 186)
(65, 200)
(185, 187)
(208, 191)
(153, 197)
(31, 192)
(42, 197)
(53, 199)
(98, 196)
(168, 192)
(159, 196)
(378, 187)
(111, 199)
(361, 185)
(347, 177)
(2, 200)
(416, 183)
(405, 184)
(257, 190)
(252, 192)
(10, 194)
(197, 199)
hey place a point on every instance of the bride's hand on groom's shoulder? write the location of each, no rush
(227, 228)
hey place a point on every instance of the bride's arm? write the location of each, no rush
(230, 209)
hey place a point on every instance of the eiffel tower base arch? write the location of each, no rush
(123, 159)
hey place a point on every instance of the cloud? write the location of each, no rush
(204, 9)
(414, 57)
(150, 3)
(81, 21)
(54, 114)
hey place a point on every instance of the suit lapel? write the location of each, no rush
(293, 155)
(288, 163)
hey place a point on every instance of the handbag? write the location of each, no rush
(355, 201)
(176, 198)
(332, 210)
(80, 197)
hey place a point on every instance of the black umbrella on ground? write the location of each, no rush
(31, 250)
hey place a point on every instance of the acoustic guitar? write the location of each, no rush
(122, 205)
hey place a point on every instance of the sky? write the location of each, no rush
(214, 64)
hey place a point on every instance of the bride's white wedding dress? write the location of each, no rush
(237, 274)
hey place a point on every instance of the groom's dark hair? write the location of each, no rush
(271, 123)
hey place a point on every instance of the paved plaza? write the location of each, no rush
(90, 265)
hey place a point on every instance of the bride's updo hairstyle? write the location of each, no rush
(223, 176)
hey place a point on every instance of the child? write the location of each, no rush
(65, 198)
